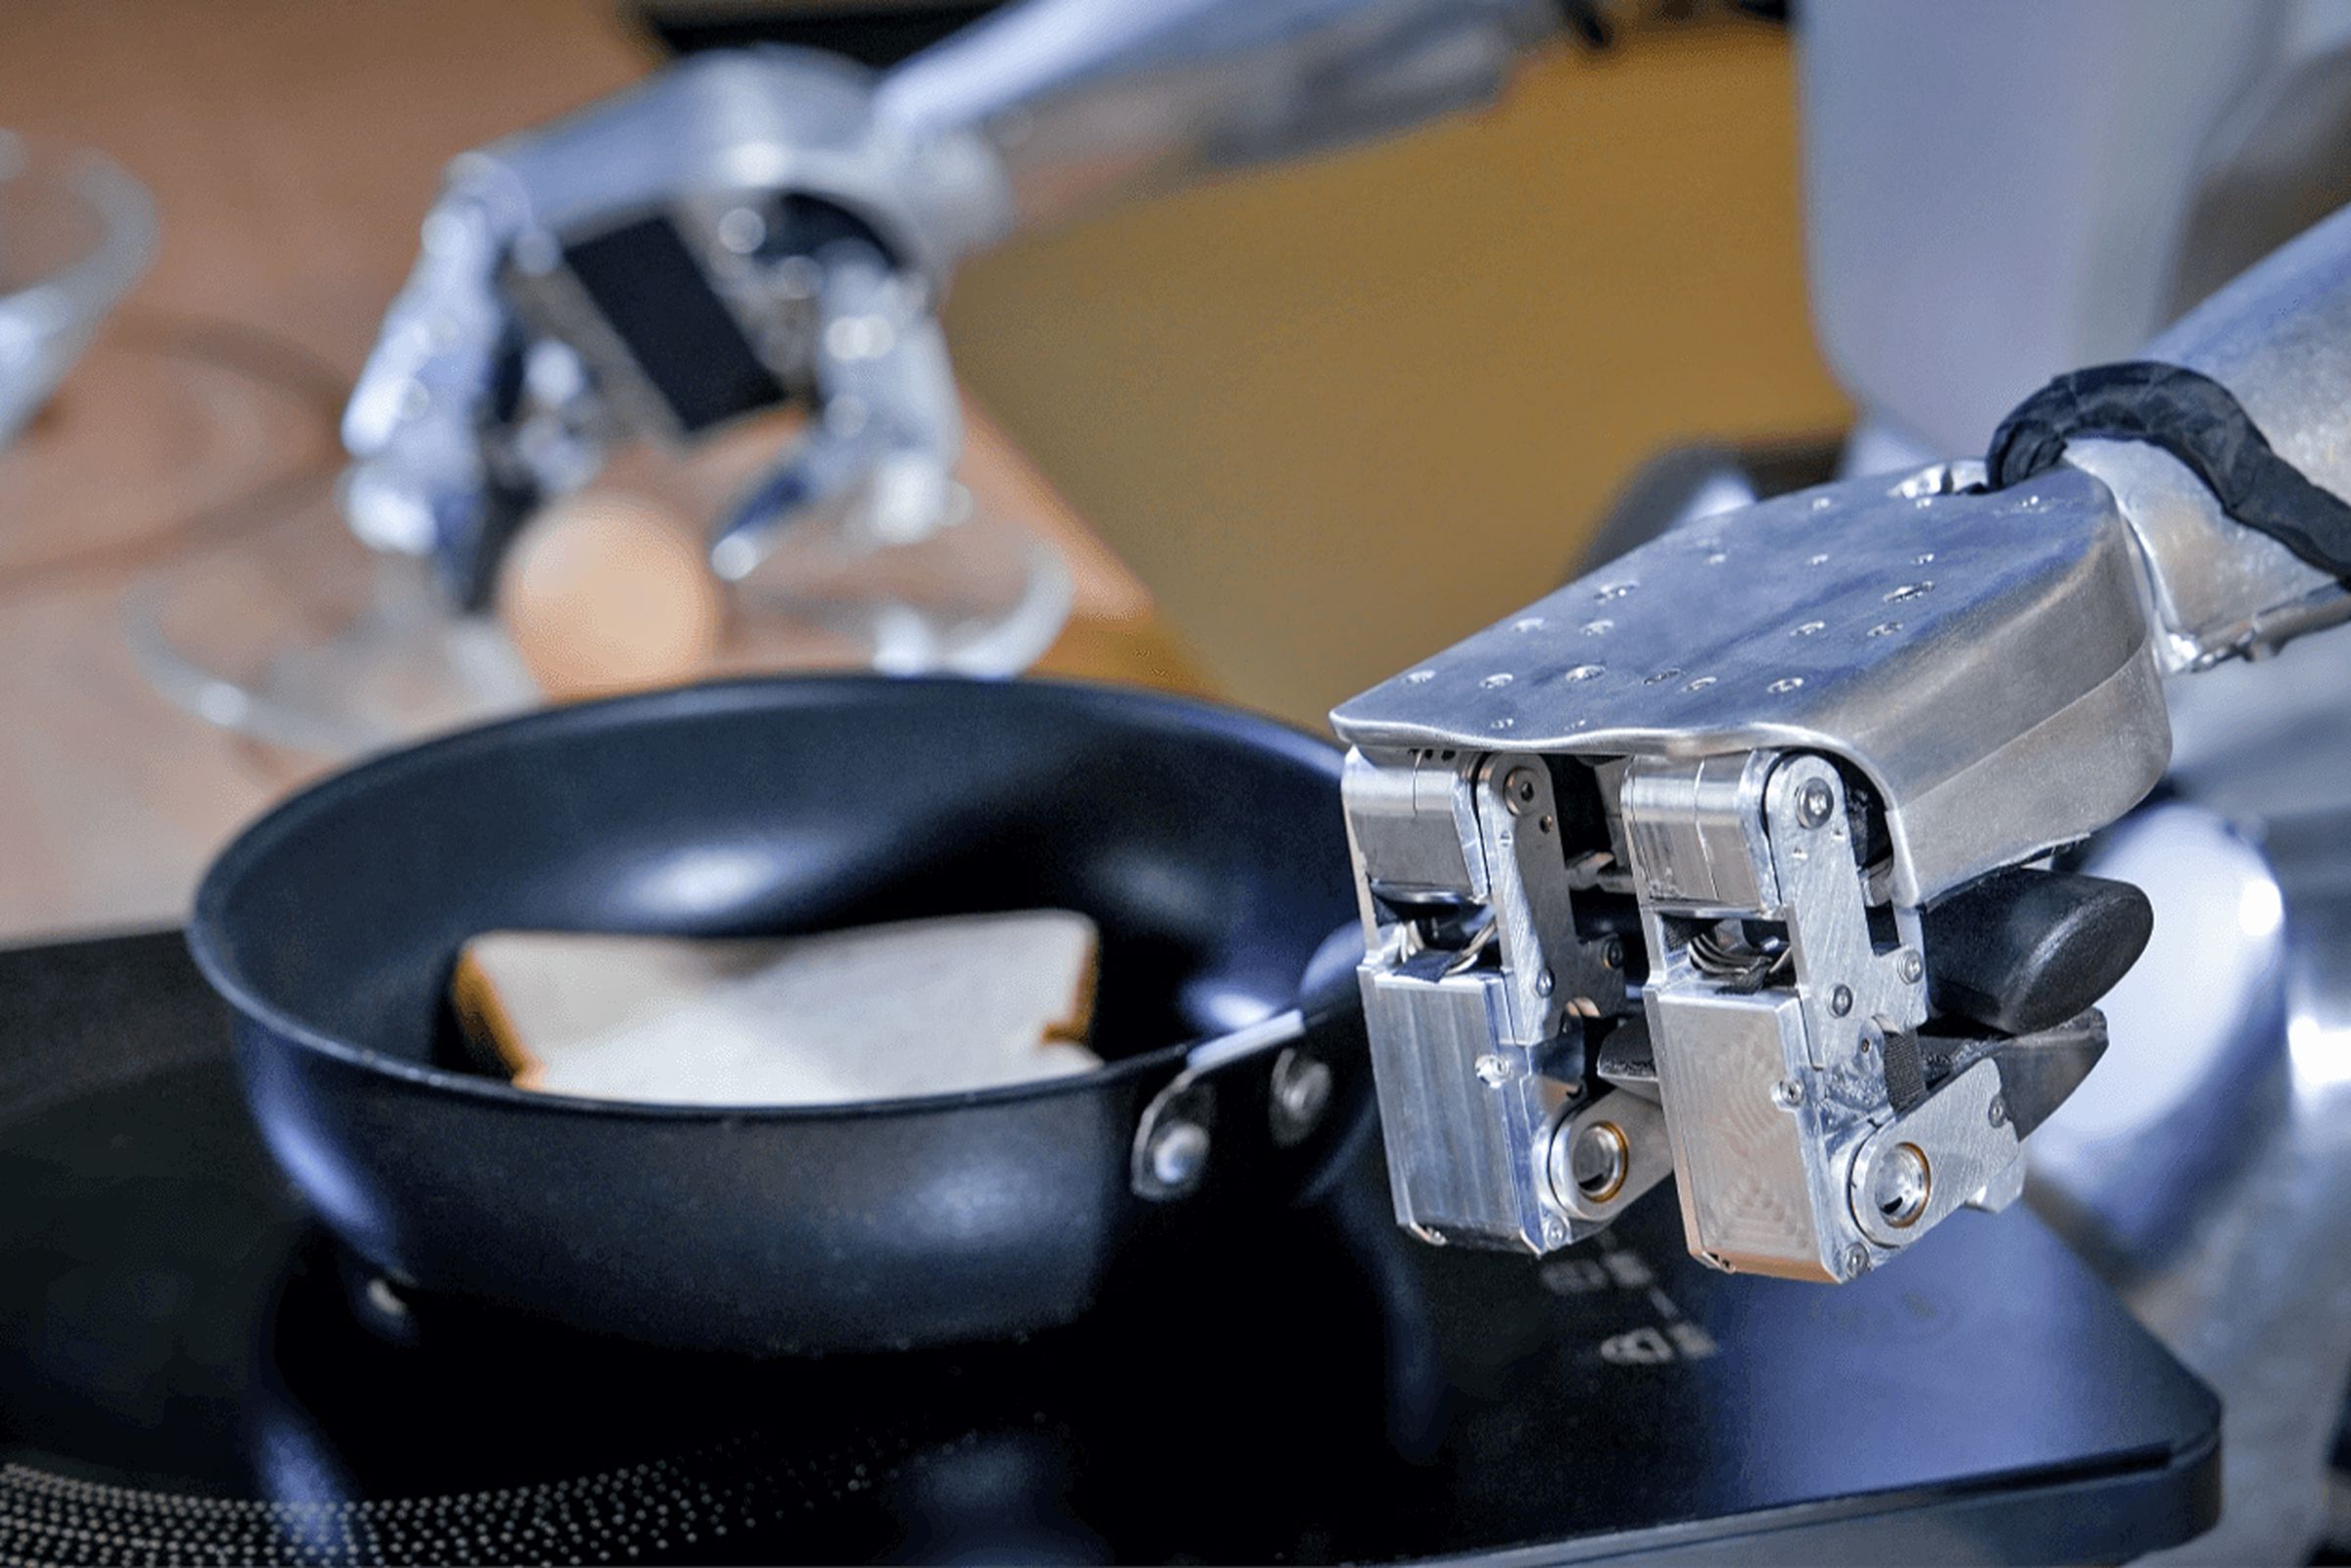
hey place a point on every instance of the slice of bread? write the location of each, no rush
(874, 1013)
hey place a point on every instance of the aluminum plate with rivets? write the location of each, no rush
(1986, 660)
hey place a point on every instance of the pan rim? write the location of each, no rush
(216, 961)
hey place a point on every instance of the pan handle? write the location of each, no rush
(1301, 1050)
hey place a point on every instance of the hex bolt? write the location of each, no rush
(1814, 803)
(1178, 1151)
(1840, 1000)
(1910, 966)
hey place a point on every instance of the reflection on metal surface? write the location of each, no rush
(2206, 1166)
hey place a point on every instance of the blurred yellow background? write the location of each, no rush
(1338, 416)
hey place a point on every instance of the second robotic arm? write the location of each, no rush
(749, 229)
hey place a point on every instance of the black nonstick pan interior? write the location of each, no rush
(1207, 844)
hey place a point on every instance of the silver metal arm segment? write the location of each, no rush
(2279, 338)
(1088, 101)
(1711, 860)
(747, 229)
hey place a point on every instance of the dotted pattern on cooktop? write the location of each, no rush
(644, 1512)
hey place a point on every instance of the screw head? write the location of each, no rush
(1519, 789)
(1178, 1151)
(1814, 803)
(1613, 954)
(1788, 1094)
(1840, 1000)
(1857, 1261)
(1997, 1110)
(1545, 982)
(1910, 966)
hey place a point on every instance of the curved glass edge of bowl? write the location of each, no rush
(47, 323)
(363, 656)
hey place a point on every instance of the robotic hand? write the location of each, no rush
(1732, 859)
(740, 233)
(747, 230)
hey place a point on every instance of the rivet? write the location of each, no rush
(1178, 1148)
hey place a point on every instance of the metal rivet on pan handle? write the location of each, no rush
(1176, 1134)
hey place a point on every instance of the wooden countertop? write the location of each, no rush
(292, 148)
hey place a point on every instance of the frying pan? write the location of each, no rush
(1207, 844)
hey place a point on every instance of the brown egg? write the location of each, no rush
(609, 593)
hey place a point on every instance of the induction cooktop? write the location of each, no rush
(190, 1371)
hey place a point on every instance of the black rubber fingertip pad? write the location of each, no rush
(2020, 951)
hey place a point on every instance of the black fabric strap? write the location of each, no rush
(2198, 422)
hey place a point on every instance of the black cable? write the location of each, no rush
(2198, 422)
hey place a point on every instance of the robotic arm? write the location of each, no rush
(1731, 858)
(751, 229)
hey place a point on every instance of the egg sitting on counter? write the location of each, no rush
(607, 592)
(917, 1006)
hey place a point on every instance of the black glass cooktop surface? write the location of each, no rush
(191, 1372)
